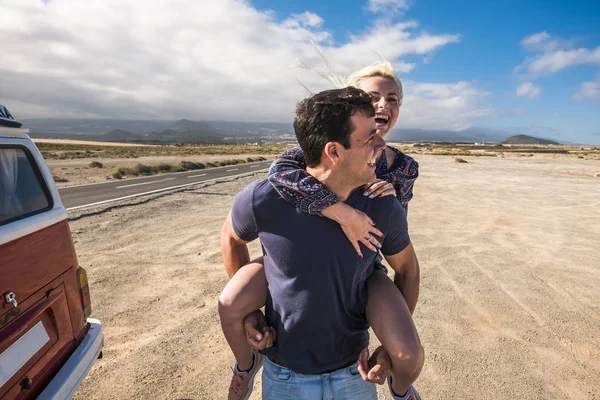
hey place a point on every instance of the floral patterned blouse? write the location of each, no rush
(289, 177)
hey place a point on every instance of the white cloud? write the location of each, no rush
(543, 42)
(200, 60)
(554, 54)
(388, 6)
(535, 39)
(443, 106)
(306, 19)
(529, 90)
(561, 59)
(589, 90)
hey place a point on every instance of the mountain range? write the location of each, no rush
(188, 131)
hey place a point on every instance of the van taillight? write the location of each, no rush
(82, 281)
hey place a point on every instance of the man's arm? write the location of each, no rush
(234, 250)
(407, 275)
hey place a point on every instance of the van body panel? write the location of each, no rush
(52, 311)
(46, 343)
(30, 262)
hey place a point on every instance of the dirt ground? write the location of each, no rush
(509, 305)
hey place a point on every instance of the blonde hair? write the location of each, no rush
(383, 69)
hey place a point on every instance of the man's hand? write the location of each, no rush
(259, 335)
(376, 368)
(379, 188)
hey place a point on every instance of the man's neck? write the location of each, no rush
(331, 182)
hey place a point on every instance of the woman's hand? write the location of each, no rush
(375, 368)
(357, 226)
(379, 188)
(258, 334)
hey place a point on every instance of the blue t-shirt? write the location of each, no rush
(317, 283)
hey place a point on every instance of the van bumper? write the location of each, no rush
(70, 376)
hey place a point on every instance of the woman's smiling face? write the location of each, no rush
(386, 100)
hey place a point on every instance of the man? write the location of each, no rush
(317, 291)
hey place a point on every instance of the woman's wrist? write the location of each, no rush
(338, 212)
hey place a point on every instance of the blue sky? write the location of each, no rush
(528, 67)
(489, 51)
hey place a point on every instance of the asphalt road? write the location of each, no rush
(97, 193)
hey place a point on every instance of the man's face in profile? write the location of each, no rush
(357, 163)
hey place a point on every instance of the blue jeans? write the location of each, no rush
(280, 383)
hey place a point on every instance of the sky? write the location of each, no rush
(530, 67)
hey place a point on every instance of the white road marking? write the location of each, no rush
(233, 169)
(195, 176)
(144, 183)
(254, 166)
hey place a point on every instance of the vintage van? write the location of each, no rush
(47, 342)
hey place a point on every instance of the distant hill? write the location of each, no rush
(470, 135)
(526, 139)
(186, 131)
(120, 135)
(185, 125)
(256, 129)
(182, 131)
(85, 126)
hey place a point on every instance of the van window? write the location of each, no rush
(22, 191)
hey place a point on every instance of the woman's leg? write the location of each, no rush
(244, 293)
(392, 323)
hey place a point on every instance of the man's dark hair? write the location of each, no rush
(325, 117)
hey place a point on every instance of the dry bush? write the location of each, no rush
(59, 179)
(95, 164)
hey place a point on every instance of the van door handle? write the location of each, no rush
(10, 297)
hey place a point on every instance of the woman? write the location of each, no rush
(386, 309)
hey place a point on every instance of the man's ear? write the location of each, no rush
(331, 151)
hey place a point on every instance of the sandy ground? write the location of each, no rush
(509, 306)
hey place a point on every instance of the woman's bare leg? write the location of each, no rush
(392, 323)
(244, 293)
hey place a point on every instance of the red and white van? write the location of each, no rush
(47, 342)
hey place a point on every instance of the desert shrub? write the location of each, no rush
(142, 169)
(95, 164)
(249, 159)
(48, 155)
(210, 165)
(224, 163)
(190, 165)
(164, 167)
(117, 174)
(451, 153)
(460, 160)
(580, 156)
(59, 179)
